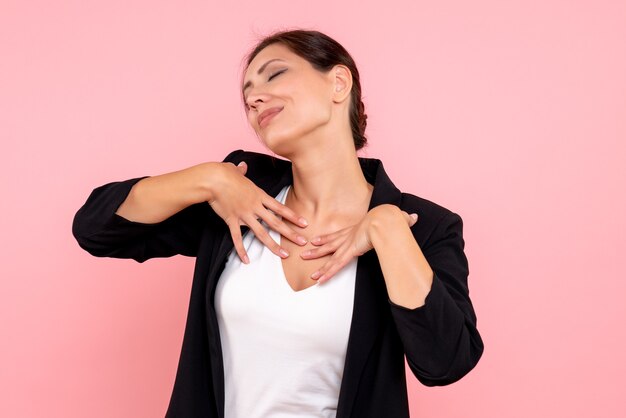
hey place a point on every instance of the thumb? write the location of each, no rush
(243, 167)
(412, 218)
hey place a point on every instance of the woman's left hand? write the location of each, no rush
(348, 243)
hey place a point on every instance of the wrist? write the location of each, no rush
(204, 178)
(385, 219)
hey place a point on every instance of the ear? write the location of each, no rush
(341, 78)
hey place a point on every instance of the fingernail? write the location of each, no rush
(283, 252)
(314, 275)
(414, 215)
(303, 221)
(301, 239)
(246, 259)
(306, 253)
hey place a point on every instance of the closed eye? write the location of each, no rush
(269, 79)
(274, 75)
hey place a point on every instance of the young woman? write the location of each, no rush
(312, 280)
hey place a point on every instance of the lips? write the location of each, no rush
(267, 113)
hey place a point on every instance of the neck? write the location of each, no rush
(328, 184)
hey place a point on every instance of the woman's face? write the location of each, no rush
(289, 82)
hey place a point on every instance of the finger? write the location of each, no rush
(325, 238)
(411, 219)
(282, 210)
(243, 167)
(235, 232)
(328, 247)
(328, 270)
(319, 251)
(262, 235)
(278, 225)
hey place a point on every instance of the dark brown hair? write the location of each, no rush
(322, 52)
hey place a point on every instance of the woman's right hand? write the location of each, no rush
(238, 201)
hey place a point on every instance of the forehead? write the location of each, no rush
(268, 53)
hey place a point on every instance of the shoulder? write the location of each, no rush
(242, 155)
(433, 218)
(423, 207)
(258, 163)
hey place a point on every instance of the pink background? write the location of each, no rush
(511, 114)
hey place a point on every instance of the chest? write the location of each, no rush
(295, 270)
(256, 302)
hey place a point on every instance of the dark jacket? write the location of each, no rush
(440, 338)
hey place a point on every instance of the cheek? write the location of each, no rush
(311, 108)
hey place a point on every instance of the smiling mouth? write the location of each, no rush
(267, 118)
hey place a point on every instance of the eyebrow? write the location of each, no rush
(261, 69)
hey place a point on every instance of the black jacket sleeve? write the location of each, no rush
(103, 233)
(440, 338)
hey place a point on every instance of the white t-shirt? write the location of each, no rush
(284, 351)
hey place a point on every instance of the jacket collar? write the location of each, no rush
(366, 318)
(384, 189)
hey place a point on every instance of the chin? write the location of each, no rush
(280, 143)
(285, 141)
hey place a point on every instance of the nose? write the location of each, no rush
(253, 103)
(255, 97)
